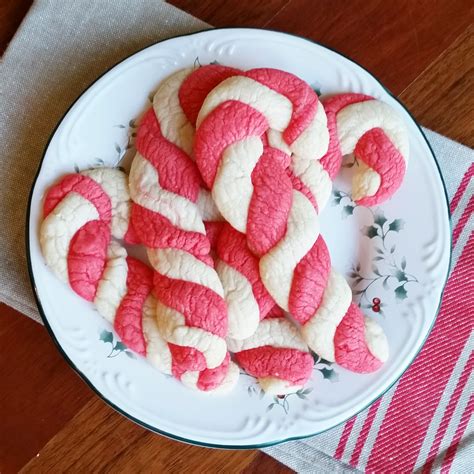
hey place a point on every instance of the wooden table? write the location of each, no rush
(50, 420)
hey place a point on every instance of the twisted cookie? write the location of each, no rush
(81, 214)
(165, 187)
(254, 190)
(376, 135)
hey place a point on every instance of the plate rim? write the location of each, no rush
(86, 379)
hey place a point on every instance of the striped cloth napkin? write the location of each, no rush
(424, 422)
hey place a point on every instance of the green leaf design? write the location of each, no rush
(120, 346)
(379, 250)
(249, 390)
(378, 258)
(269, 407)
(397, 225)
(130, 354)
(307, 391)
(76, 168)
(317, 88)
(337, 193)
(400, 292)
(330, 374)
(261, 394)
(117, 148)
(106, 336)
(404, 263)
(348, 210)
(215, 62)
(120, 126)
(376, 270)
(325, 362)
(400, 276)
(392, 250)
(337, 201)
(300, 394)
(370, 231)
(380, 219)
(385, 284)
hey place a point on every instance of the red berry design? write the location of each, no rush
(376, 301)
(376, 308)
(281, 396)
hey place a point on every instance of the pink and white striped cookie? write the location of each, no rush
(377, 136)
(165, 187)
(276, 355)
(248, 302)
(81, 213)
(256, 194)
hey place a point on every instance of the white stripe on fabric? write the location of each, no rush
(327, 441)
(462, 241)
(355, 432)
(462, 204)
(443, 403)
(462, 461)
(456, 416)
(374, 429)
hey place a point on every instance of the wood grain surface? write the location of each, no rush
(50, 420)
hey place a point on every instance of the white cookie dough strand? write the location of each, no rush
(278, 265)
(276, 332)
(276, 107)
(146, 191)
(355, 120)
(174, 124)
(60, 226)
(242, 306)
(180, 265)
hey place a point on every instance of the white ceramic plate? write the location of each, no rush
(398, 253)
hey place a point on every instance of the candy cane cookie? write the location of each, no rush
(81, 214)
(377, 136)
(165, 186)
(257, 197)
